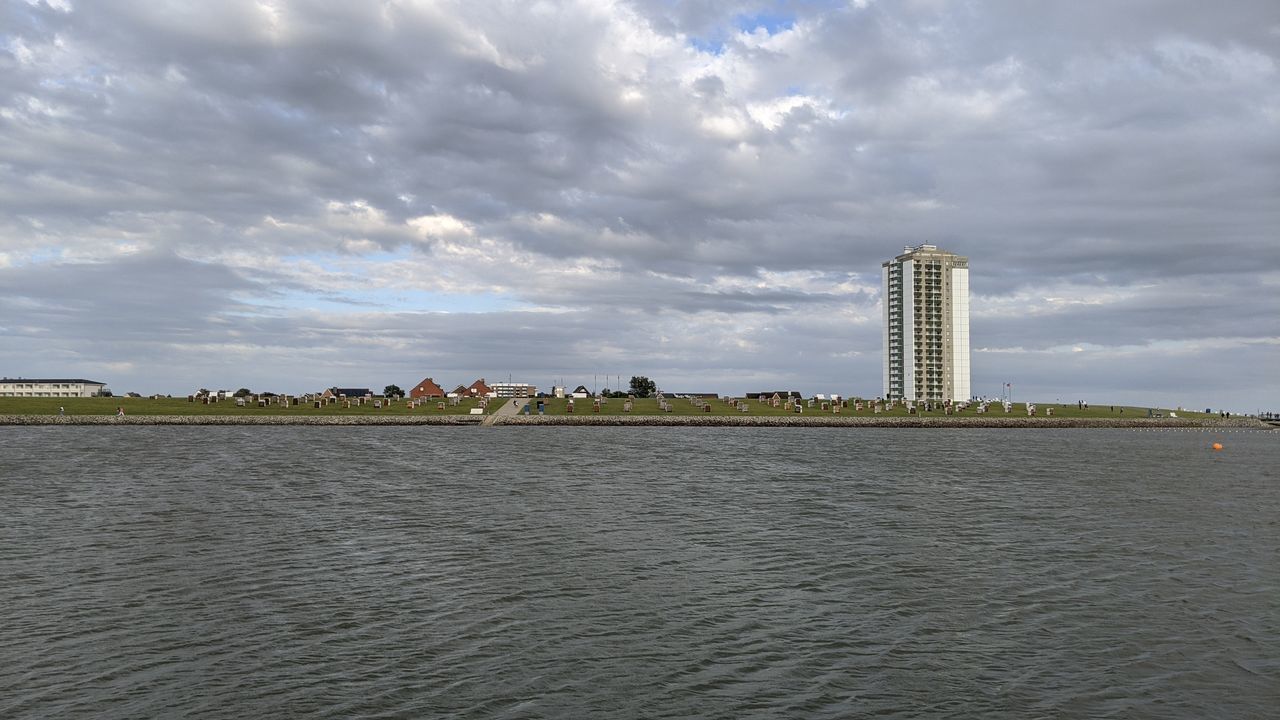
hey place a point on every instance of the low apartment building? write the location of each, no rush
(49, 387)
(513, 389)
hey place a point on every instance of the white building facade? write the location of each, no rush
(926, 325)
(41, 387)
(513, 389)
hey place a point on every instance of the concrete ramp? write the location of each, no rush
(509, 408)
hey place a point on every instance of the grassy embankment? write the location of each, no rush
(180, 406)
(613, 406)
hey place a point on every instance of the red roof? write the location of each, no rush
(426, 389)
(479, 389)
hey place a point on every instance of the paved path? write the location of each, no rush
(509, 408)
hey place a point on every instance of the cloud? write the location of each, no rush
(701, 191)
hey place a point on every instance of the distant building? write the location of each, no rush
(426, 389)
(513, 390)
(768, 395)
(347, 392)
(580, 392)
(56, 387)
(926, 325)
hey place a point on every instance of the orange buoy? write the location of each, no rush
(1217, 446)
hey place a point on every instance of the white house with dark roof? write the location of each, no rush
(49, 387)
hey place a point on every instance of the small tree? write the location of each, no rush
(392, 391)
(643, 387)
(242, 392)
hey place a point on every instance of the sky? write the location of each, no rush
(288, 195)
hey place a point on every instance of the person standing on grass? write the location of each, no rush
(61, 411)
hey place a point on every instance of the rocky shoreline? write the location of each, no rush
(319, 420)
(898, 421)
(642, 421)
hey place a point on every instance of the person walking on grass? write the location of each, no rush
(120, 412)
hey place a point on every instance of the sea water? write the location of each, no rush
(239, 572)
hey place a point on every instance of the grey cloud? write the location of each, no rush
(1218, 378)
(150, 297)
(1104, 145)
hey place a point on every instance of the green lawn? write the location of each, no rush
(612, 406)
(180, 406)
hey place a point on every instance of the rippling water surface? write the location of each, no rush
(241, 572)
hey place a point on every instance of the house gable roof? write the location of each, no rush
(427, 387)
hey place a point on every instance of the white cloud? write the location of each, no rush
(441, 226)
(584, 162)
(59, 5)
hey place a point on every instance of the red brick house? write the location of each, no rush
(479, 389)
(426, 389)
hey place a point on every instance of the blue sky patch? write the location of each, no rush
(772, 22)
(714, 47)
